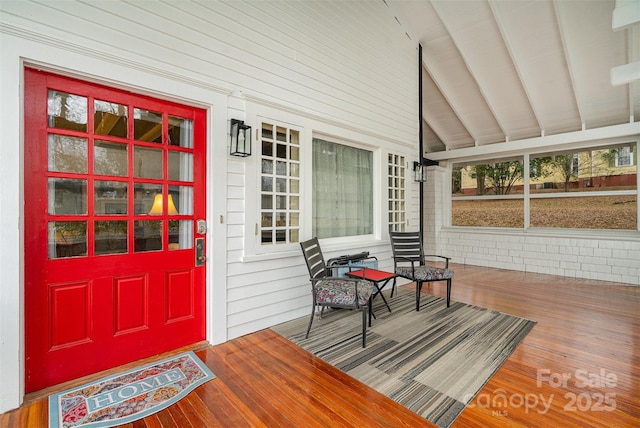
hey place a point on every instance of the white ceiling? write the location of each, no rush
(499, 71)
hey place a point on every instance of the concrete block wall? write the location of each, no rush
(607, 259)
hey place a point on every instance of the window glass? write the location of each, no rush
(279, 185)
(144, 198)
(67, 196)
(67, 239)
(67, 154)
(147, 162)
(67, 111)
(180, 234)
(488, 213)
(147, 125)
(147, 235)
(603, 169)
(180, 166)
(596, 212)
(110, 158)
(110, 237)
(110, 119)
(342, 196)
(110, 197)
(180, 132)
(396, 183)
(593, 188)
(181, 199)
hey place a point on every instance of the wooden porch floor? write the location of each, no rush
(588, 334)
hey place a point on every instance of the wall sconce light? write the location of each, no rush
(156, 208)
(419, 172)
(240, 138)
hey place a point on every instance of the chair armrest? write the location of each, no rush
(442, 257)
(407, 260)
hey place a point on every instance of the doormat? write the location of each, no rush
(433, 362)
(129, 396)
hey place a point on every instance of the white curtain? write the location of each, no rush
(186, 174)
(342, 190)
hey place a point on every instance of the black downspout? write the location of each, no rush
(420, 148)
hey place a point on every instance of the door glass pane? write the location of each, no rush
(67, 239)
(180, 234)
(182, 199)
(147, 125)
(180, 132)
(144, 195)
(110, 158)
(148, 236)
(67, 154)
(180, 166)
(110, 119)
(110, 237)
(67, 196)
(147, 162)
(110, 197)
(67, 111)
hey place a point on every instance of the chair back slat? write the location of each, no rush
(406, 246)
(314, 258)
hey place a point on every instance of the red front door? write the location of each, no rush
(114, 189)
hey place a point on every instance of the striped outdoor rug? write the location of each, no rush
(433, 362)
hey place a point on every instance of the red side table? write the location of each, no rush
(376, 277)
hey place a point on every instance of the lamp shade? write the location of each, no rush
(156, 208)
(240, 138)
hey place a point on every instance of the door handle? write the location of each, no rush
(200, 256)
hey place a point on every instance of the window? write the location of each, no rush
(594, 188)
(488, 194)
(279, 185)
(624, 156)
(396, 200)
(125, 175)
(342, 190)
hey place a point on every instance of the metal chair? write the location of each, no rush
(335, 292)
(409, 262)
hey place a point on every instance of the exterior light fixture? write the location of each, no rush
(419, 172)
(240, 138)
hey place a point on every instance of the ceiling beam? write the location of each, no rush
(597, 136)
(626, 73)
(438, 8)
(562, 30)
(625, 14)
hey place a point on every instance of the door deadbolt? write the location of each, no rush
(201, 227)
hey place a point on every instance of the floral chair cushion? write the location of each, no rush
(335, 291)
(424, 273)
